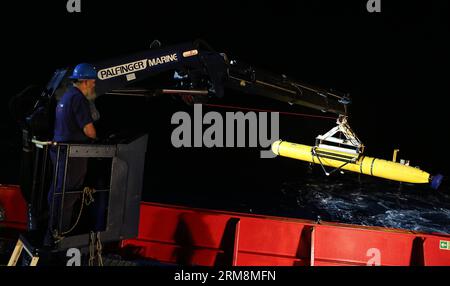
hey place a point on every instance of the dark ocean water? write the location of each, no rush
(366, 201)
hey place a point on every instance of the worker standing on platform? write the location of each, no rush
(73, 124)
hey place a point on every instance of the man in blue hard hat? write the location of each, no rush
(73, 119)
(74, 123)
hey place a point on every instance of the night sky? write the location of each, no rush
(394, 64)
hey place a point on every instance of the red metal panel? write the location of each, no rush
(189, 228)
(15, 207)
(361, 246)
(276, 241)
(271, 237)
(204, 237)
(185, 235)
(435, 253)
(186, 227)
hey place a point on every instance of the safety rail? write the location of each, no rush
(120, 198)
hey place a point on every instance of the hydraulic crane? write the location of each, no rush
(199, 74)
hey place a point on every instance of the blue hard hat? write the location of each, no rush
(84, 71)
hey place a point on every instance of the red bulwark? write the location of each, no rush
(15, 208)
(190, 236)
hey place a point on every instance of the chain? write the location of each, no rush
(91, 248)
(99, 250)
(95, 249)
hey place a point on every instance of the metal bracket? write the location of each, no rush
(347, 150)
(350, 145)
(323, 167)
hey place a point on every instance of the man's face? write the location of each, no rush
(90, 89)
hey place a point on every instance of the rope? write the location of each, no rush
(95, 244)
(86, 199)
(266, 110)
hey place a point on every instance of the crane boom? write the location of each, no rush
(199, 68)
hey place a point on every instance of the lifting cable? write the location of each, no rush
(266, 110)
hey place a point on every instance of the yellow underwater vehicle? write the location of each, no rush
(346, 153)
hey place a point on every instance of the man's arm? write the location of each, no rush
(82, 113)
(89, 131)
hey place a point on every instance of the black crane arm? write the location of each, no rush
(198, 68)
(279, 87)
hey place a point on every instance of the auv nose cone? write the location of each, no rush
(436, 181)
